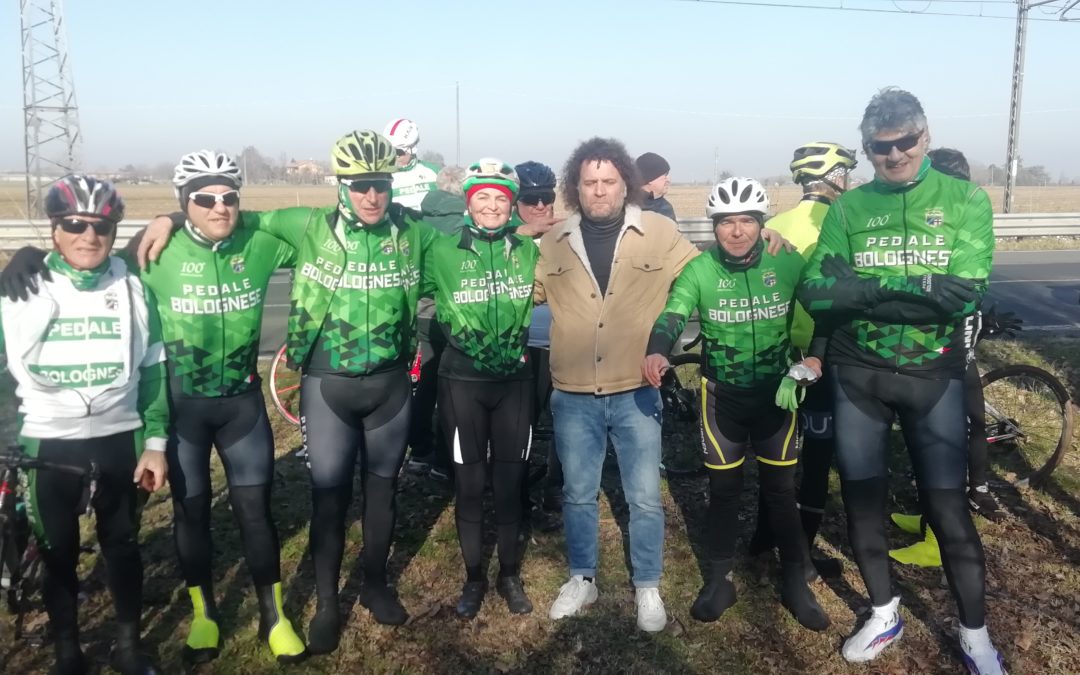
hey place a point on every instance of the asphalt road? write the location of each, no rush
(1041, 287)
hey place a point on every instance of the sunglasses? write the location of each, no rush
(209, 200)
(538, 198)
(903, 144)
(400, 153)
(102, 228)
(362, 185)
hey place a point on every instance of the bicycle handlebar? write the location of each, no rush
(14, 458)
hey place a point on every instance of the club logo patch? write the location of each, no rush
(769, 279)
(935, 217)
(111, 301)
(237, 263)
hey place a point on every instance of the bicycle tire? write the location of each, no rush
(276, 390)
(7, 544)
(1061, 403)
(683, 461)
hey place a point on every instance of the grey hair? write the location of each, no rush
(450, 178)
(892, 109)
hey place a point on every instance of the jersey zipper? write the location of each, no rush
(753, 327)
(221, 315)
(903, 327)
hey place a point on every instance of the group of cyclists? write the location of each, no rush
(146, 360)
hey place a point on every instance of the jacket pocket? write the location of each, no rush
(647, 263)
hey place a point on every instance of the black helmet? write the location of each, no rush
(535, 176)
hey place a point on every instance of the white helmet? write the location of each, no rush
(737, 195)
(206, 163)
(403, 133)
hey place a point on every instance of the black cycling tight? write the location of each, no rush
(237, 426)
(488, 422)
(54, 498)
(933, 418)
(341, 416)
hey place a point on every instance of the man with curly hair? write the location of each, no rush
(605, 272)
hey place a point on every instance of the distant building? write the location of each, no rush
(304, 171)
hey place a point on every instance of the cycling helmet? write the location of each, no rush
(403, 134)
(815, 161)
(535, 176)
(362, 152)
(737, 195)
(207, 164)
(84, 196)
(491, 171)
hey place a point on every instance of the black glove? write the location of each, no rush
(837, 267)
(949, 292)
(18, 280)
(1000, 323)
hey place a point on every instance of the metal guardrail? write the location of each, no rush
(17, 233)
(1006, 225)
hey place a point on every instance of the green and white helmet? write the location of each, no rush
(491, 171)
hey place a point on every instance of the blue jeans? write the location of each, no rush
(583, 423)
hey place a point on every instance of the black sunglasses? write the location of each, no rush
(362, 185)
(536, 198)
(903, 144)
(102, 228)
(209, 200)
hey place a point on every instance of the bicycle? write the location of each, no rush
(1029, 416)
(20, 559)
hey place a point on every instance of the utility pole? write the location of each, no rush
(51, 116)
(457, 123)
(1012, 159)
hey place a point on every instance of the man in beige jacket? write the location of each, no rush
(606, 272)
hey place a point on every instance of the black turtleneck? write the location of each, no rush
(600, 237)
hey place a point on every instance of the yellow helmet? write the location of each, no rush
(814, 161)
(362, 152)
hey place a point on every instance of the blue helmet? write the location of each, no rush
(535, 176)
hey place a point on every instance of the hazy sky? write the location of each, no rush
(157, 79)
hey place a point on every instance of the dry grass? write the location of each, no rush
(1033, 582)
(145, 201)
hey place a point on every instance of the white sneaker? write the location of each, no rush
(573, 596)
(651, 615)
(884, 627)
(980, 657)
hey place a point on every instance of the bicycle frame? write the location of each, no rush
(1004, 424)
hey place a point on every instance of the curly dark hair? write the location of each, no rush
(598, 149)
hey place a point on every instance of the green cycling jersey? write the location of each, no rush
(745, 316)
(353, 302)
(892, 236)
(483, 300)
(210, 297)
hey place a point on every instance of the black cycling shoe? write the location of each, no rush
(983, 503)
(472, 597)
(383, 604)
(324, 631)
(127, 656)
(69, 658)
(513, 592)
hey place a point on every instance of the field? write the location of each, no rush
(146, 201)
(1033, 585)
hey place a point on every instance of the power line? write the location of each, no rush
(880, 10)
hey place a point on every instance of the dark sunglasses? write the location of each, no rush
(400, 153)
(903, 144)
(209, 200)
(536, 198)
(362, 185)
(102, 228)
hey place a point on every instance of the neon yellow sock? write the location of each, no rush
(204, 633)
(284, 643)
(923, 554)
(911, 524)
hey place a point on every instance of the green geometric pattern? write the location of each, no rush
(940, 225)
(745, 316)
(211, 306)
(483, 302)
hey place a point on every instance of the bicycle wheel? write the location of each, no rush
(285, 387)
(8, 570)
(1028, 413)
(681, 431)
